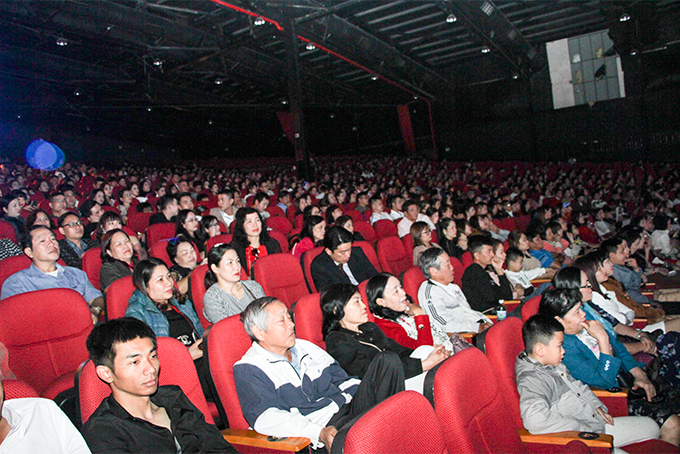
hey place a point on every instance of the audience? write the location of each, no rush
(118, 257)
(74, 244)
(484, 289)
(251, 239)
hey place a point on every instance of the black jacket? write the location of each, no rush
(355, 351)
(273, 247)
(325, 273)
(112, 429)
(481, 291)
(70, 256)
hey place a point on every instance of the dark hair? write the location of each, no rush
(4, 203)
(630, 234)
(474, 222)
(86, 208)
(556, 302)
(416, 231)
(55, 194)
(375, 288)
(374, 200)
(568, 277)
(335, 236)
(33, 216)
(106, 217)
(260, 196)
(477, 242)
(207, 220)
(121, 193)
(329, 214)
(199, 237)
(512, 254)
(173, 244)
(28, 239)
(660, 221)
(342, 220)
(227, 192)
(164, 201)
(514, 237)
(181, 195)
(534, 230)
(106, 244)
(554, 226)
(539, 329)
(214, 258)
(240, 236)
(589, 264)
(101, 343)
(308, 229)
(142, 275)
(442, 225)
(140, 207)
(307, 212)
(610, 246)
(62, 218)
(333, 302)
(407, 204)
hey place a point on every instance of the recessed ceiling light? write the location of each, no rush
(259, 21)
(624, 17)
(451, 18)
(310, 46)
(62, 42)
(374, 77)
(218, 81)
(486, 50)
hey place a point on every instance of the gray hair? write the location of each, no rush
(256, 314)
(430, 259)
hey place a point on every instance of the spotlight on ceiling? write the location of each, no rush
(451, 18)
(77, 93)
(515, 76)
(624, 17)
(157, 62)
(219, 81)
(284, 102)
(62, 42)
(633, 52)
(310, 46)
(486, 50)
(210, 122)
(374, 77)
(258, 21)
(148, 109)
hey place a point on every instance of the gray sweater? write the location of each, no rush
(218, 304)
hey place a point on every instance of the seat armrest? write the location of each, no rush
(249, 437)
(538, 282)
(599, 392)
(511, 305)
(648, 294)
(650, 285)
(616, 402)
(562, 438)
(639, 323)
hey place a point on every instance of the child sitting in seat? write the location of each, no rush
(514, 259)
(551, 400)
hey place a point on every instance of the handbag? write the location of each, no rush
(626, 380)
(458, 344)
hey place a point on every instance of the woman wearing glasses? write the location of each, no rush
(422, 239)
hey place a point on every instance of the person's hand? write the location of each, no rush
(435, 357)
(550, 272)
(519, 291)
(630, 261)
(484, 326)
(327, 435)
(196, 349)
(606, 416)
(497, 264)
(95, 318)
(414, 309)
(642, 381)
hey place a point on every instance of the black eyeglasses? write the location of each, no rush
(73, 224)
(588, 285)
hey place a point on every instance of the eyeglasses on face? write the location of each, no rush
(73, 224)
(588, 285)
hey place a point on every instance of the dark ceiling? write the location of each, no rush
(117, 61)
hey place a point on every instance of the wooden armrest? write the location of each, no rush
(537, 282)
(648, 294)
(251, 438)
(511, 305)
(650, 285)
(562, 438)
(493, 318)
(599, 392)
(639, 323)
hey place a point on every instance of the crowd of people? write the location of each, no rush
(593, 235)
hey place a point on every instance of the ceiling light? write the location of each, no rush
(487, 8)
(451, 18)
(486, 50)
(515, 76)
(210, 122)
(19, 116)
(258, 21)
(218, 81)
(374, 77)
(633, 52)
(148, 109)
(284, 102)
(332, 115)
(62, 42)
(157, 62)
(310, 46)
(624, 17)
(77, 93)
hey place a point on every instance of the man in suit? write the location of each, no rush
(341, 263)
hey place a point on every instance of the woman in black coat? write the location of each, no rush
(251, 240)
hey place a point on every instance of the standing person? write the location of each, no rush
(251, 240)
(227, 294)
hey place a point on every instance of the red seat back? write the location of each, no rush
(117, 296)
(222, 238)
(138, 222)
(197, 291)
(407, 241)
(531, 307)
(406, 422)
(92, 263)
(7, 231)
(522, 222)
(177, 368)
(280, 275)
(467, 259)
(458, 270)
(230, 332)
(275, 211)
(413, 278)
(384, 228)
(158, 232)
(370, 253)
(364, 227)
(309, 319)
(299, 220)
(49, 346)
(393, 257)
(281, 239)
(355, 215)
(503, 344)
(364, 299)
(280, 224)
(17, 389)
(469, 406)
(306, 261)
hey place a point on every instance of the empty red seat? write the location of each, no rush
(309, 319)
(393, 257)
(413, 278)
(280, 275)
(275, 211)
(280, 224)
(45, 350)
(364, 227)
(224, 238)
(158, 232)
(384, 228)
(117, 296)
(370, 253)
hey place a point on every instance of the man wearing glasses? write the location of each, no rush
(73, 245)
(43, 249)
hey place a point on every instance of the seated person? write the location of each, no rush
(139, 416)
(43, 249)
(378, 210)
(251, 240)
(225, 209)
(311, 236)
(354, 342)
(36, 425)
(422, 239)
(189, 226)
(168, 207)
(481, 290)
(534, 235)
(227, 294)
(411, 214)
(447, 234)
(289, 387)
(184, 258)
(340, 263)
(111, 220)
(74, 244)
(519, 240)
(400, 319)
(661, 241)
(347, 222)
(92, 212)
(516, 275)
(362, 202)
(57, 202)
(551, 400)
(443, 300)
(261, 203)
(118, 257)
